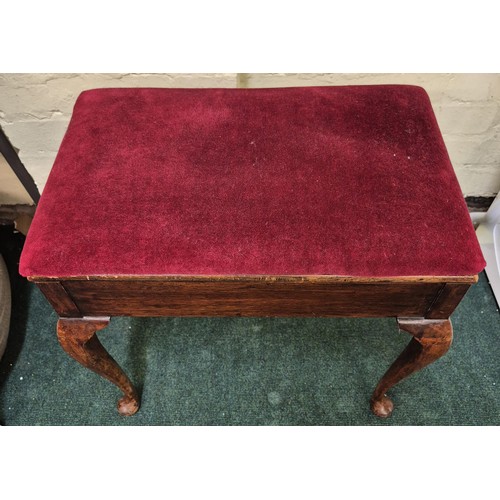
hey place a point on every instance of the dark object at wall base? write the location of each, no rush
(479, 203)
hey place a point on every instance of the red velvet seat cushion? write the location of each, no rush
(351, 181)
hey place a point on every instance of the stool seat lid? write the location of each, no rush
(343, 181)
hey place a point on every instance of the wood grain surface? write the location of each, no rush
(256, 298)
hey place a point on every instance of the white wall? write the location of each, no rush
(35, 110)
(12, 191)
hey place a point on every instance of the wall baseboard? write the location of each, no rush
(20, 215)
(479, 203)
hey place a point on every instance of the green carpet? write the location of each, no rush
(257, 371)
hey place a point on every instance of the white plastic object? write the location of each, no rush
(488, 234)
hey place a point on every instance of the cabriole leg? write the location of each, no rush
(431, 339)
(78, 338)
